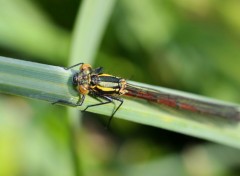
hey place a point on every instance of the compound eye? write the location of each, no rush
(75, 79)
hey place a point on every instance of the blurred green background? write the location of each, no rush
(188, 45)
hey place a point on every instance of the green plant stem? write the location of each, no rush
(51, 83)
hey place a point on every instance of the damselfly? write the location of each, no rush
(94, 82)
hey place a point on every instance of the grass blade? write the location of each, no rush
(89, 27)
(51, 83)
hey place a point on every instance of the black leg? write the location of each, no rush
(98, 70)
(121, 102)
(79, 102)
(109, 100)
(67, 68)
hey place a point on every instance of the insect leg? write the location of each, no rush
(79, 102)
(109, 100)
(98, 70)
(121, 102)
(67, 68)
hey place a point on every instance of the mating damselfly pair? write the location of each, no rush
(96, 83)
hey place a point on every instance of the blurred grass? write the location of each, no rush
(183, 44)
(26, 29)
(88, 31)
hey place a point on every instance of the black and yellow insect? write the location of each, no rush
(94, 82)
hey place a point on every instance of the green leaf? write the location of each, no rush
(52, 83)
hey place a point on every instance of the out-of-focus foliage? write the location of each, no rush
(184, 44)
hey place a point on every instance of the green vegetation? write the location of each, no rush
(185, 45)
